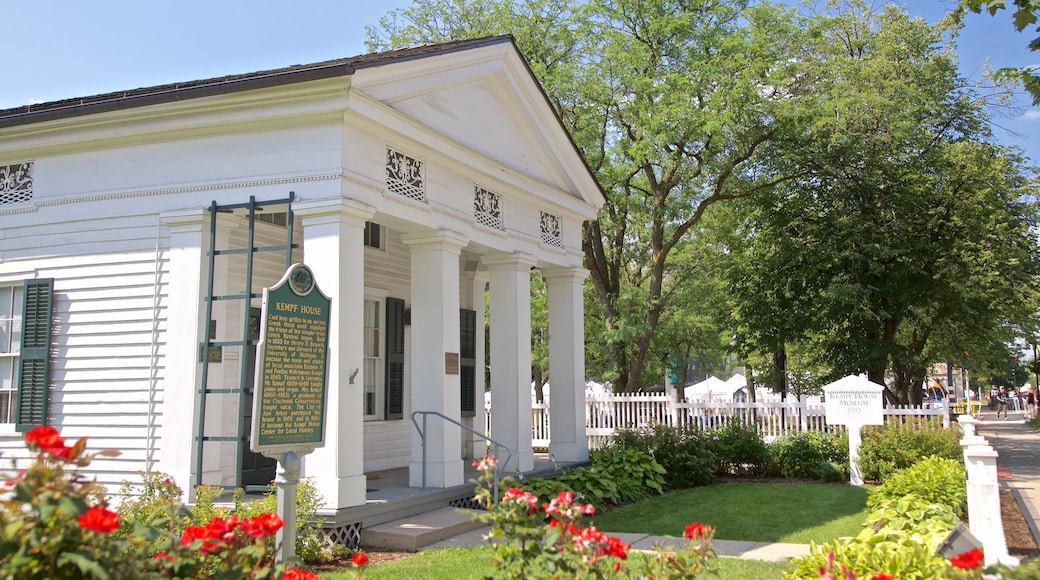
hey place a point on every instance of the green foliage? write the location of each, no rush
(205, 507)
(685, 453)
(810, 455)
(933, 480)
(739, 449)
(57, 525)
(615, 475)
(899, 540)
(310, 543)
(156, 505)
(531, 539)
(894, 446)
(911, 514)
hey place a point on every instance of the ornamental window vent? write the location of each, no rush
(487, 208)
(405, 175)
(551, 230)
(16, 183)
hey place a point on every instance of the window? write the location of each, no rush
(11, 298)
(26, 352)
(373, 235)
(373, 372)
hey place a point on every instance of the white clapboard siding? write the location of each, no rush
(388, 271)
(108, 361)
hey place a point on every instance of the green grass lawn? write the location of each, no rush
(760, 512)
(794, 513)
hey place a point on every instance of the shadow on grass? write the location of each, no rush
(762, 512)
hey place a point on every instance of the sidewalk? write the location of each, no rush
(1018, 461)
(732, 548)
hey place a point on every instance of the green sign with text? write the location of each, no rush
(292, 366)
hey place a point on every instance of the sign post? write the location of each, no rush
(854, 402)
(291, 388)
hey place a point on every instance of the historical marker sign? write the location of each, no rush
(292, 362)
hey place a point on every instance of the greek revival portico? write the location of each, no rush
(332, 235)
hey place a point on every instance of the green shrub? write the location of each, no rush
(739, 449)
(810, 455)
(891, 447)
(615, 475)
(686, 454)
(310, 543)
(156, 506)
(899, 539)
(933, 480)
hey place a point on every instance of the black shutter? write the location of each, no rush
(394, 358)
(34, 357)
(468, 361)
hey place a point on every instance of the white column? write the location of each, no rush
(435, 339)
(474, 447)
(510, 327)
(189, 236)
(567, 363)
(333, 248)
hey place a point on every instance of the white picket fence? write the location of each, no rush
(605, 415)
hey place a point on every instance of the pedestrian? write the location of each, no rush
(1030, 404)
(1002, 402)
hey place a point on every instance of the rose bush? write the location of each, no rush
(58, 524)
(531, 539)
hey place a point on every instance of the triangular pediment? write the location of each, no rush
(485, 99)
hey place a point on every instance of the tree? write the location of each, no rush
(910, 238)
(1026, 14)
(675, 103)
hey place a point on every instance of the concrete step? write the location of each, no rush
(416, 532)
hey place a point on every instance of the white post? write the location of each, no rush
(984, 520)
(288, 477)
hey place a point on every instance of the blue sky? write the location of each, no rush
(58, 49)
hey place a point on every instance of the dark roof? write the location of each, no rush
(66, 108)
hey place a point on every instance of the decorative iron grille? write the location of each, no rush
(551, 230)
(16, 183)
(405, 176)
(487, 207)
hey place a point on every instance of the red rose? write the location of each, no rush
(697, 531)
(360, 559)
(882, 576)
(298, 574)
(967, 560)
(262, 526)
(99, 519)
(44, 436)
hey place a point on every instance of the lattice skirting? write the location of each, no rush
(348, 535)
(469, 503)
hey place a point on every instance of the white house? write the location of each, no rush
(137, 230)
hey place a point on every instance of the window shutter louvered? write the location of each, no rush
(34, 356)
(468, 361)
(395, 358)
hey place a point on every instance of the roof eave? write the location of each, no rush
(30, 116)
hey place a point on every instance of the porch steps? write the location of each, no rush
(413, 533)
